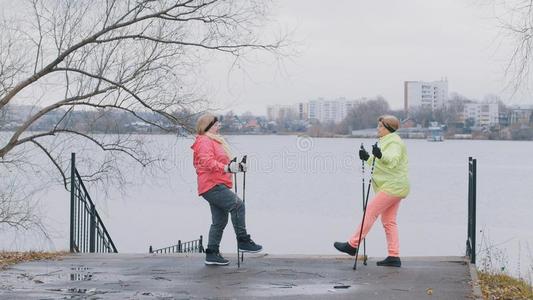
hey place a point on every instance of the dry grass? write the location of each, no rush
(11, 258)
(501, 286)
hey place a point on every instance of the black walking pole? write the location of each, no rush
(364, 212)
(363, 188)
(234, 175)
(236, 214)
(243, 161)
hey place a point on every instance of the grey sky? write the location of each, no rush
(365, 48)
(356, 48)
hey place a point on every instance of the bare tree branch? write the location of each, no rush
(108, 57)
(16, 210)
(516, 23)
(117, 147)
(64, 177)
(13, 141)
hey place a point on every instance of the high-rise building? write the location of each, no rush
(433, 94)
(302, 110)
(330, 111)
(325, 111)
(281, 112)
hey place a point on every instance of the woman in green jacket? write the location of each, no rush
(390, 184)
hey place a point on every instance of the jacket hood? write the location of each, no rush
(199, 139)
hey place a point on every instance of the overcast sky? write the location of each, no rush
(355, 48)
(365, 48)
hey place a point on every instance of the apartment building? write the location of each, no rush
(432, 94)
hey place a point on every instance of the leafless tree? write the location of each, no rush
(364, 114)
(18, 205)
(17, 210)
(3, 118)
(133, 56)
(515, 18)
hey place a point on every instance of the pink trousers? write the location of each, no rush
(386, 206)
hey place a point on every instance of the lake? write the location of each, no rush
(302, 194)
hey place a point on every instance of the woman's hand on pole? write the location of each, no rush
(242, 164)
(376, 151)
(233, 167)
(363, 154)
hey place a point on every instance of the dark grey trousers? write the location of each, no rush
(223, 201)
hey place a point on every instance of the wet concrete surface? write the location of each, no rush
(180, 276)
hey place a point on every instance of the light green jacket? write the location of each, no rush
(390, 172)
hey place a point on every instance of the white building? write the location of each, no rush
(281, 112)
(483, 114)
(429, 94)
(302, 110)
(521, 115)
(330, 111)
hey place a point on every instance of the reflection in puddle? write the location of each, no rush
(81, 274)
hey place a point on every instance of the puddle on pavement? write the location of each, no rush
(80, 274)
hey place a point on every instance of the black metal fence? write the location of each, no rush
(87, 231)
(471, 236)
(185, 247)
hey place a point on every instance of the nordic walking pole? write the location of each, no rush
(363, 188)
(235, 183)
(364, 212)
(235, 175)
(243, 161)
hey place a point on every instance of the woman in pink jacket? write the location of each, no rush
(214, 170)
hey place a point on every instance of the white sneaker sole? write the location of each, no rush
(214, 263)
(249, 251)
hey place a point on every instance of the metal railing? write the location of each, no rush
(87, 231)
(471, 235)
(185, 247)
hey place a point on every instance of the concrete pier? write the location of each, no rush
(181, 276)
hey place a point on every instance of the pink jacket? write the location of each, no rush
(209, 160)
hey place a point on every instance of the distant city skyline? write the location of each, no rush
(357, 49)
(363, 49)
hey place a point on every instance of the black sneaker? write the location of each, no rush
(213, 257)
(390, 261)
(247, 245)
(345, 247)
